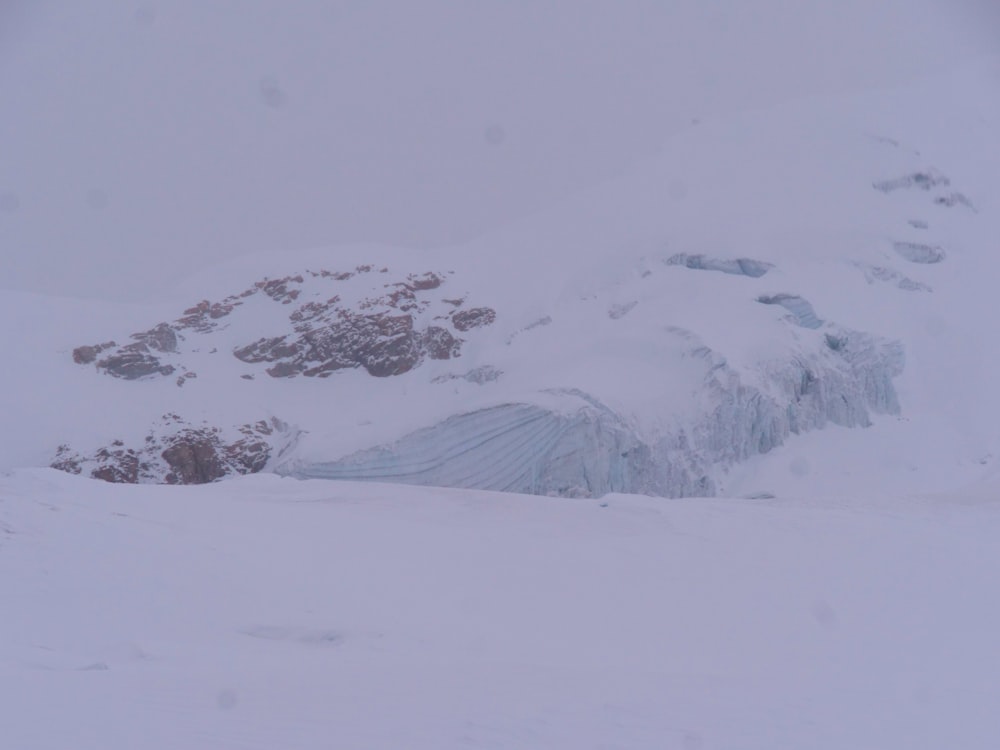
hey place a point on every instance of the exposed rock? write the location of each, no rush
(162, 338)
(66, 460)
(424, 282)
(114, 463)
(84, 355)
(383, 329)
(476, 317)
(193, 459)
(119, 465)
(202, 316)
(266, 350)
(440, 344)
(278, 289)
(381, 343)
(133, 362)
(176, 453)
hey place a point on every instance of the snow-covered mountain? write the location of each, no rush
(822, 265)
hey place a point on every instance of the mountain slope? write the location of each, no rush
(821, 263)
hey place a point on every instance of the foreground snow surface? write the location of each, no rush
(274, 613)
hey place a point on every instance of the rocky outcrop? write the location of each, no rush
(175, 452)
(389, 329)
(84, 355)
(466, 320)
(133, 362)
(381, 343)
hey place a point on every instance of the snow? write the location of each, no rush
(787, 307)
(802, 206)
(266, 612)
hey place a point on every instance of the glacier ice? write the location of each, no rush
(890, 276)
(917, 252)
(571, 444)
(802, 312)
(735, 266)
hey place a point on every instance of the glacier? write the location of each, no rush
(571, 444)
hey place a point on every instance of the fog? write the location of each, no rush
(142, 141)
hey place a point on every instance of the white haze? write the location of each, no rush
(140, 142)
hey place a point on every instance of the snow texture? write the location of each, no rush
(268, 613)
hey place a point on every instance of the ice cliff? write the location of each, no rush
(578, 447)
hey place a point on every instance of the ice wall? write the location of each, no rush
(576, 446)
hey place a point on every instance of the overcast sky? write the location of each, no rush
(142, 140)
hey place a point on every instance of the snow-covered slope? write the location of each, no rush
(824, 264)
(268, 613)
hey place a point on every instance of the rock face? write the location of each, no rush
(363, 318)
(176, 453)
(466, 320)
(133, 362)
(84, 355)
(381, 343)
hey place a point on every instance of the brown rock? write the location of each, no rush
(84, 355)
(267, 350)
(193, 459)
(440, 344)
(132, 362)
(162, 338)
(476, 317)
(424, 282)
(284, 370)
(120, 466)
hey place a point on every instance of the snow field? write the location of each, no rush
(266, 612)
